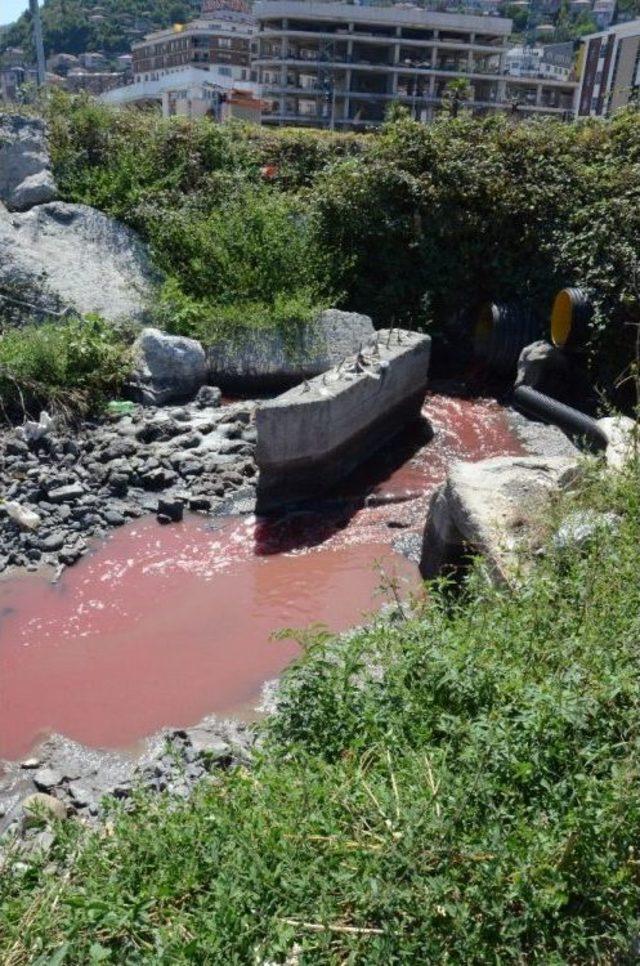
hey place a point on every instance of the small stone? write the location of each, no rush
(173, 509)
(209, 745)
(30, 763)
(16, 447)
(39, 808)
(53, 542)
(69, 555)
(46, 778)
(199, 504)
(208, 397)
(80, 795)
(65, 494)
(113, 518)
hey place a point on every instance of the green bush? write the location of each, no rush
(414, 225)
(74, 366)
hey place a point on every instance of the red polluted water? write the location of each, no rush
(164, 625)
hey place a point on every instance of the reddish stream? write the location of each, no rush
(163, 625)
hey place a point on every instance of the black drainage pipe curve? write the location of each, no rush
(571, 421)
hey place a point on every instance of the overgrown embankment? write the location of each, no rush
(413, 225)
(461, 786)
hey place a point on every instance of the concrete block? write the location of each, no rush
(318, 432)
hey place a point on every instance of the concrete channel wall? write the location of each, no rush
(315, 434)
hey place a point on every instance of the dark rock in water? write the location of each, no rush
(199, 504)
(173, 509)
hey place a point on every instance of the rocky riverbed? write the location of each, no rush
(77, 483)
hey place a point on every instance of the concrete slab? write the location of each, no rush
(318, 432)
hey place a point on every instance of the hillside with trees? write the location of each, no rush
(111, 26)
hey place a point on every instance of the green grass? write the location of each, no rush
(459, 787)
(72, 366)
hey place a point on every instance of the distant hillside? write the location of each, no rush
(111, 26)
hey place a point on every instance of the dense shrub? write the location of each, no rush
(74, 366)
(415, 225)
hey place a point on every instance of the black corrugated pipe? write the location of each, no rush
(569, 420)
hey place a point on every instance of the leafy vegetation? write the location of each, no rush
(461, 786)
(67, 26)
(73, 365)
(415, 225)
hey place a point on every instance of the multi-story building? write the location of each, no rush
(610, 70)
(337, 65)
(193, 64)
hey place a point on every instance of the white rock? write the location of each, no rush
(25, 518)
(623, 435)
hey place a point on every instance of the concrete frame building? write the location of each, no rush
(188, 68)
(610, 70)
(337, 65)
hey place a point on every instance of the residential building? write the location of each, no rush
(193, 64)
(610, 76)
(604, 12)
(559, 61)
(338, 65)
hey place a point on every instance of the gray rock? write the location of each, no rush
(208, 397)
(263, 359)
(53, 542)
(208, 745)
(544, 367)
(47, 778)
(113, 518)
(167, 367)
(60, 256)
(80, 795)
(66, 494)
(26, 178)
(488, 508)
(623, 445)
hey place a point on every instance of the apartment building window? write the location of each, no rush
(224, 42)
(225, 71)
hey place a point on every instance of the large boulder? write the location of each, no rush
(265, 359)
(60, 256)
(167, 367)
(490, 508)
(26, 178)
